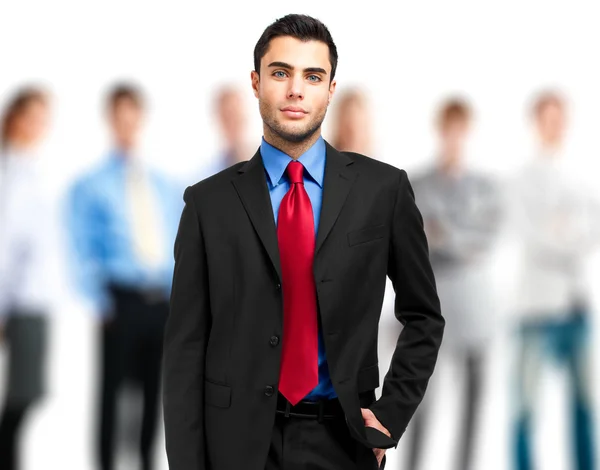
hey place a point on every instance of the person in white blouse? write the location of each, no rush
(556, 223)
(24, 261)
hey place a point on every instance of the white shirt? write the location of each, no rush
(26, 237)
(556, 221)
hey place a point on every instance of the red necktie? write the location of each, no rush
(296, 235)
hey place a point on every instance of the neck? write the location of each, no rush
(21, 145)
(236, 152)
(357, 146)
(293, 149)
(451, 164)
(125, 151)
(551, 147)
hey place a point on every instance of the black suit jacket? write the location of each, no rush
(221, 368)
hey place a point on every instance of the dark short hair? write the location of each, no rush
(547, 98)
(302, 27)
(455, 109)
(124, 91)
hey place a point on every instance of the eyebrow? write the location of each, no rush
(291, 67)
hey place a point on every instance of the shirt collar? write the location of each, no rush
(118, 158)
(275, 161)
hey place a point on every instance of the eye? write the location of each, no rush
(314, 78)
(279, 74)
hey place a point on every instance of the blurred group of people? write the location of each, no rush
(551, 220)
(121, 219)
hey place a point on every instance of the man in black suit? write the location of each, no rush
(270, 357)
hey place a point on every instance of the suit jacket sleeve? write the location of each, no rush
(417, 307)
(186, 334)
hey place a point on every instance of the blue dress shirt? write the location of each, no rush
(99, 225)
(275, 163)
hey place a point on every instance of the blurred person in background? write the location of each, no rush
(25, 267)
(556, 222)
(123, 220)
(462, 211)
(231, 113)
(352, 129)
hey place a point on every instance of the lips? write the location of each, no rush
(294, 112)
(294, 109)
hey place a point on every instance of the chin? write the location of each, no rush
(299, 135)
(294, 130)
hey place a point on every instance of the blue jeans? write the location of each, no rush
(564, 341)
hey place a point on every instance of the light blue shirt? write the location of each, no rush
(313, 160)
(100, 230)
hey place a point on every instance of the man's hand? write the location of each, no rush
(372, 421)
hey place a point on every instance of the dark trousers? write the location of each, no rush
(131, 352)
(473, 364)
(10, 426)
(26, 346)
(306, 444)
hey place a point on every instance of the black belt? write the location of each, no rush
(320, 410)
(149, 296)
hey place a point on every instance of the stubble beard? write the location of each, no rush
(279, 130)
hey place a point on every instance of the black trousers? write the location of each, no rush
(306, 444)
(10, 427)
(26, 336)
(131, 343)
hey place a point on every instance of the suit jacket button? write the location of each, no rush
(274, 341)
(278, 286)
(269, 390)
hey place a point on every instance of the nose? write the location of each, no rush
(296, 90)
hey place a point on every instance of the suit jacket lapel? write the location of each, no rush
(251, 187)
(338, 181)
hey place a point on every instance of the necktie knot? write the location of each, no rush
(295, 171)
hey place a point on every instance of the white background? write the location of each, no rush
(408, 56)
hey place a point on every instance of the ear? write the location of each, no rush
(255, 78)
(332, 86)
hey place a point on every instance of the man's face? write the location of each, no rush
(453, 136)
(353, 127)
(126, 122)
(353, 119)
(294, 88)
(551, 123)
(232, 116)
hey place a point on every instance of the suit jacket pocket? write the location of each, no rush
(366, 235)
(217, 394)
(368, 378)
